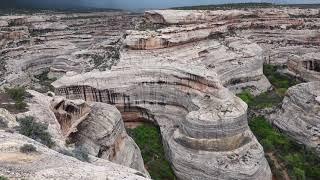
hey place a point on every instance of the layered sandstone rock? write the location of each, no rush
(98, 128)
(175, 77)
(48, 164)
(203, 125)
(95, 128)
(290, 38)
(306, 66)
(7, 120)
(299, 116)
(31, 44)
(172, 73)
(58, 42)
(199, 38)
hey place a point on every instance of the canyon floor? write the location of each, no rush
(200, 93)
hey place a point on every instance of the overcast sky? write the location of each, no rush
(132, 4)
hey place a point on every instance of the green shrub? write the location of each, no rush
(3, 123)
(3, 178)
(18, 94)
(246, 96)
(267, 145)
(148, 138)
(264, 100)
(301, 163)
(81, 154)
(281, 82)
(35, 130)
(20, 105)
(281, 91)
(299, 174)
(45, 81)
(78, 153)
(28, 148)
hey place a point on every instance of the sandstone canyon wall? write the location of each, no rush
(177, 69)
(175, 77)
(299, 115)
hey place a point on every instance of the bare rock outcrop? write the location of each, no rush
(299, 115)
(306, 66)
(176, 73)
(95, 128)
(98, 129)
(44, 163)
(175, 77)
(56, 42)
(203, 125)
(289, 36)
(7, 120)
(199, 38)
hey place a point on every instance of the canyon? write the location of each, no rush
(178, 69)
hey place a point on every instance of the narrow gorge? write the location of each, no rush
(180, 70)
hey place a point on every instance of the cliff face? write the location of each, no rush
(49, 164)
(57, 42)
(299, 115)
(96, 128)
(37, 161)
(201, 38)
(203, 125)
(289, 37)
(177, 69)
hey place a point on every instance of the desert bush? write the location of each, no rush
(45, 81)
(148, 138)
(3, 178)
(81, 154)
(302, 163)
(280, 81)
(264, 100)
(18, 94)
(3, 123)
(35, 130)
(78, 153)
(28, 148)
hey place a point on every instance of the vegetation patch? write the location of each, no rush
(286, 158)
(3, 178)
(3, 123)
(281, 82)
(34, 130)
(28, 148)
(18, 95)
(299, 161)
(78, 153)
(265, 100)
(45, 82)
(148, 138)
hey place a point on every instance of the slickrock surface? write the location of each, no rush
(178, 69)
(299, 116)
(289, 36)
(203, 125)
(59, 42)
(199, 38)
(49, 164)
(7, 120)
(306, 66)
(97, 128)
